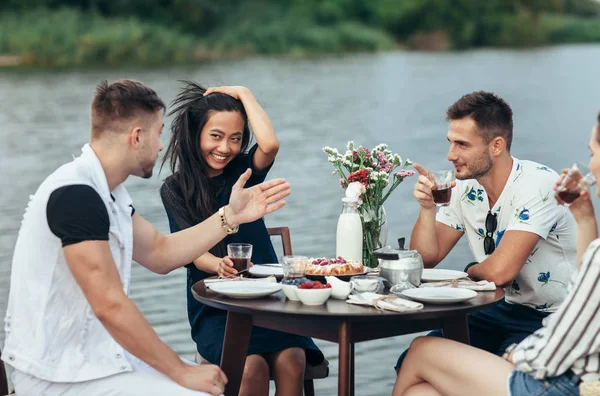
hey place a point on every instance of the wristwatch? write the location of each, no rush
(224, 223)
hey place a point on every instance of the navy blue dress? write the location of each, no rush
(207, 323)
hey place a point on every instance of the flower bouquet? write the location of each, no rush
(377, 172)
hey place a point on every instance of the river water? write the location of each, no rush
(398, 98)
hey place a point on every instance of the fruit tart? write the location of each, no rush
(336, 266)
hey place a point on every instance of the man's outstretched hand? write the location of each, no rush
(249, 204)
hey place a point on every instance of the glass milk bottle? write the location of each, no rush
(349, 236)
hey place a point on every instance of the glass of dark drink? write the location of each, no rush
(577, 179)
(442, 186)
(240, 254)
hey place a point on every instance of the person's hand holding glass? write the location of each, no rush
(434, 188)
(573, 183)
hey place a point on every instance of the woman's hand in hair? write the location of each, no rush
(236, 92)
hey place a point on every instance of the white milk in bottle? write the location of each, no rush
(349, 236)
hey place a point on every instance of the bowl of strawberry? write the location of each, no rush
(313, 292)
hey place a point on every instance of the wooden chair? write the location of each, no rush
(312, 372)
(3, 378)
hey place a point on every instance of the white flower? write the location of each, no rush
(350, 145)
(355, 190)
(368, 215)
(380, 147)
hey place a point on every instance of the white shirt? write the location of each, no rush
(570, 337)
(51, 330)
(526, 204)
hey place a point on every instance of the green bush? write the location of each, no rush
(571, 29)
(68, 37)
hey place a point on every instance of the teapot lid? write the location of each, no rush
(387, 253)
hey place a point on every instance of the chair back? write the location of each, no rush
(3, 378)
(286, 241)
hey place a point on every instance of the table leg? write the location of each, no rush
(344, 359)
(351, 369)
(235, 349)
(457, 328)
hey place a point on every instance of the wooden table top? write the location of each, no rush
(278, 304)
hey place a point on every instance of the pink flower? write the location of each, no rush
(405, 173)
(367, 153)
(343, 183)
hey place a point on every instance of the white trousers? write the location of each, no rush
(143, 380)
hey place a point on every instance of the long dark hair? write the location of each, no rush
(191, 111)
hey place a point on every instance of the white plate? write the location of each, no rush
(241, 289)
(440, 295)
(264, 270)
(435, 275)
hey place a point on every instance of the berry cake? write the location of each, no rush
(336, 266)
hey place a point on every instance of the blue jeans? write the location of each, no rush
(496, 328)
(521, 384)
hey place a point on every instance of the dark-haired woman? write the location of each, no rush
(207, 153)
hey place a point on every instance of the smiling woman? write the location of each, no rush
(207, 153)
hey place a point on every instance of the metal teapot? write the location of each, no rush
(400, 266)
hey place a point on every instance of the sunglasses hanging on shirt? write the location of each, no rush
(490, 226)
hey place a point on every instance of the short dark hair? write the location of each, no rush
(491, 113)
(121, 101)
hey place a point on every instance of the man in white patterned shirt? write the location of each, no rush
(520, 238)
(561, 358)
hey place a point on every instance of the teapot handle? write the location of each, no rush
(401, 242)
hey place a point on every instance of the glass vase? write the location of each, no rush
(375, 232)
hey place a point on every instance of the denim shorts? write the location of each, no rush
(521, 384)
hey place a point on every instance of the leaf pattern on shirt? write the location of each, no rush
(471, 195)
(545, 278)
(519, 171)
(532, 254)
(543, 168)
(544, 197)
(499, 236)
(544, 307)
(522, 215)
(481, 233)
(515, 286)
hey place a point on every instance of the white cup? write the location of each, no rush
(364, 283)
(339, 289)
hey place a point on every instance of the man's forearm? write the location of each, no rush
(129, 329)
(423, 237)
(183, 247)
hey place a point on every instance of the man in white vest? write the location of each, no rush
(70, 327)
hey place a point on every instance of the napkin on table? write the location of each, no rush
(391, 302)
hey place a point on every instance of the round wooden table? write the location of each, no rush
(335, 321)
